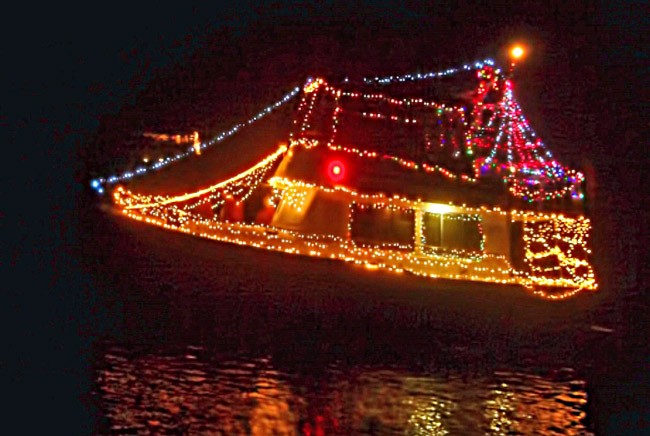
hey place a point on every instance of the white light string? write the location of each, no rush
(431, 75)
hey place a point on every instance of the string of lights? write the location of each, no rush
(430, 75)
(137, 201)
(525, 162)
(99, 184)
(556, 252)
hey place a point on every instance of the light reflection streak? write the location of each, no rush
(188, 394)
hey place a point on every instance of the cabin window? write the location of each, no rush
(452, 231)
(381, 226)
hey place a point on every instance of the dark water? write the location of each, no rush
(199, 337)
(194, 391)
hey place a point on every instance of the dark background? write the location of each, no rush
(73, 74)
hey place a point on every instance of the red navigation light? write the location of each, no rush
(336, 171)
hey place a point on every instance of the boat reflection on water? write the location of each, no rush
(194, 392)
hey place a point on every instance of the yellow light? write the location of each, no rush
(197, 144)
(517, 52)
(336, 169)
(438, 208)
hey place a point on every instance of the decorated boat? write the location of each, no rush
(437, 174)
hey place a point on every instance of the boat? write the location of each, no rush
(436, 174)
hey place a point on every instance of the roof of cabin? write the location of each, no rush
(377, 175)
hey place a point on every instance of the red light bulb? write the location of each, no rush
(336, 171)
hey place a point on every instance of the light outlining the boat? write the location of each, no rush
(174, 214)
(196, 194)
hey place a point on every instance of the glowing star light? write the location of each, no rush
(517, 52)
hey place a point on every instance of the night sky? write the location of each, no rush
(72, 71)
